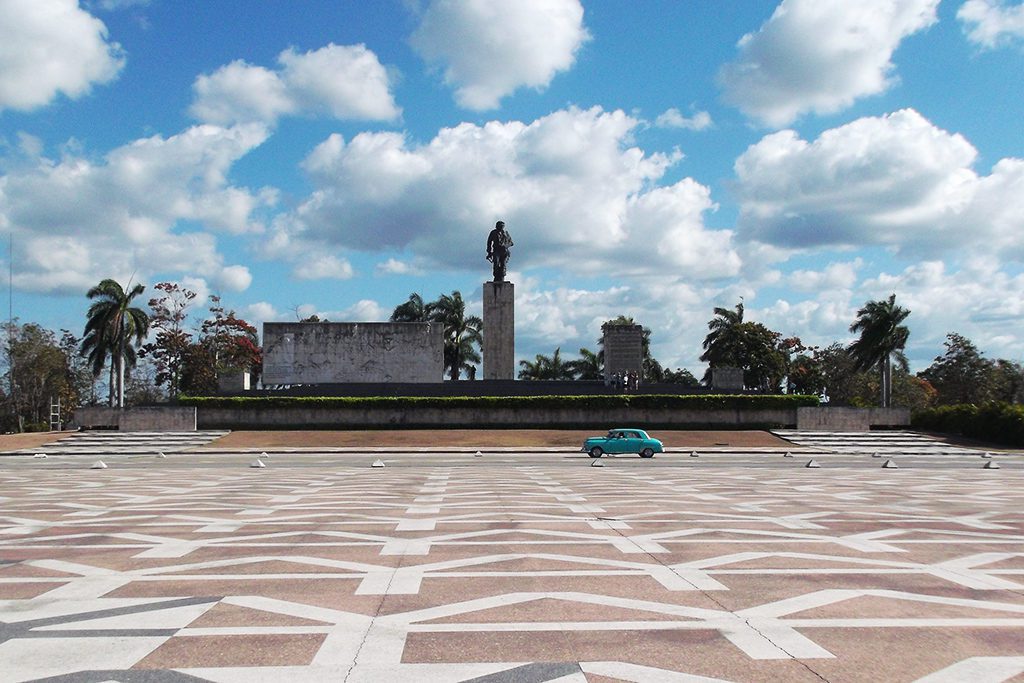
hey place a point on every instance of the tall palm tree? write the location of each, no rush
(547, 367)
(113, 328)
(881, 337)
(412, 311)
(724, 322)
(720, 343)
(588, 366)
(461, 332)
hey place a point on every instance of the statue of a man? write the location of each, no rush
(499, 243)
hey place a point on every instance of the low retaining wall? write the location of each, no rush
(361, 418)
(184, 419)
(850, 419)
(145, 419)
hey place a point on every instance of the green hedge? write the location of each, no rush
(999, 422)
(668, 401)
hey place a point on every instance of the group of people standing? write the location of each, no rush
(624, 381)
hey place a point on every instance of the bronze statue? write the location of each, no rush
(499, 243)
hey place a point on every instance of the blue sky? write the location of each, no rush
(654, 159)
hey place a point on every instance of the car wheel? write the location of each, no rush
(596, 452)
(647, 453)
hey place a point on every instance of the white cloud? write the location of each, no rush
(259, 313)
(323, 266)
(894, 180)
(111, 5)
(491, 49)
(50, 47)
(364, 310)
(339, 81)
(820, 56)
(992, 23)
(673, 118)
(835, 276)
(573, 191)
(235, 278)
(395, 267)
(78, 220)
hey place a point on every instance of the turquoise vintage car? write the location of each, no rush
(623, 440)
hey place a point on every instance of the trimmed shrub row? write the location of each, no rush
(668, 401)
(999, 422)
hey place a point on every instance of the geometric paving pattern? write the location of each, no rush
(103, 442)
(885, 442)
(515, 570)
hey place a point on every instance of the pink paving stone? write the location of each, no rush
(234, 650)
(24, 591)
(699, 652)
(330, 593)
(752, 590)
(436, 592)
(225, 615)
(550, 609)
(872, 607)
(902, 654)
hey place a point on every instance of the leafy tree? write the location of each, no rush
(113, 329)
(38, 373)
(588, 366)
(763, 354)
(547, 368)
(680, 376)
(226, 343)
(141, 387)
(882, 337)
(961, 374)
(1007, 381)
(462, 333)
(912, 391)
(81, 382)
(806, 375)
(169, 348)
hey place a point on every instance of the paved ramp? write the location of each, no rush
(100, 442)
(883, 442)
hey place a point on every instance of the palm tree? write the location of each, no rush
(719, 344)
(724, 322)
(547, 368)
(881, 337)
(588, 366)
(109, 331)
(461, 332)
(412, 311)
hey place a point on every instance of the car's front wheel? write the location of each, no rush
(596, 452)
(647, 453)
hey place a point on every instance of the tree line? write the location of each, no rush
(149, 355)
(139, 356)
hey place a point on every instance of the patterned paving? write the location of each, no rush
(531, 568)
(102, 442)
(886, 442)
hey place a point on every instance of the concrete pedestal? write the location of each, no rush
(499, 330)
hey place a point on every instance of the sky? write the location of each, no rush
(653, 159)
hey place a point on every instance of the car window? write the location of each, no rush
(633, 435)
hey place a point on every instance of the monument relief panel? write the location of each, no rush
(336, 353)
(623, 348)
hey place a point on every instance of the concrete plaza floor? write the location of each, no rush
(512, 565)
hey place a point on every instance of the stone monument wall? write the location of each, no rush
(727, 379)
(499, 330)
(623, 349)
(332, 353)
